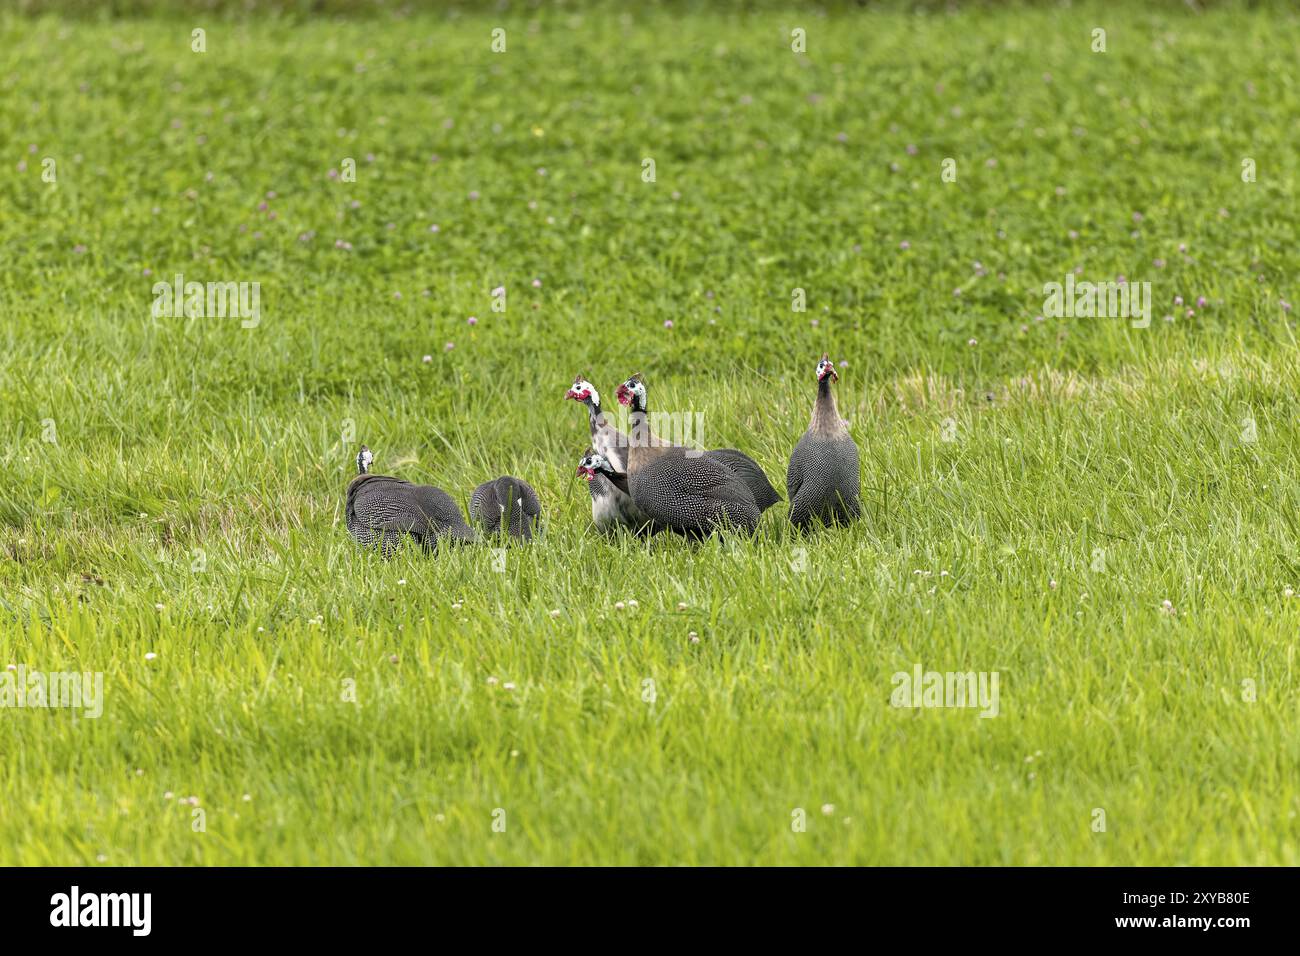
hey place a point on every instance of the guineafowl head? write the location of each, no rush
(364, 459)
(583, 391)
(632, 393)
(826, 370)
(593, 464)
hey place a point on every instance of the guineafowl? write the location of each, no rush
(722, 501)
(506, 504)
(611, 502)
(385, 511)
(610, 507)
(693, 494)
(824, 475)
(740, 464)
(606, 440)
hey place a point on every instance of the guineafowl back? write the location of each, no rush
(748, 471)
(692, 494)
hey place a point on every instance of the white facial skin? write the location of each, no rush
(365, 458)
(591, 464)
(827, 368)
(583, 391)
(638, 393)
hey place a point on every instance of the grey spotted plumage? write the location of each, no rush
(386, 512)
(748, 471)
(610, 507)
(506, 504)
(693, 495)
(824, 475)
(611, 501)
(690, 493)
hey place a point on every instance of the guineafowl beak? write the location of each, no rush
(586, 472)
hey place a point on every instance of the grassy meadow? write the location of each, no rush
(1105, 515)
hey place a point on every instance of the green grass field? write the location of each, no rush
(1034, 489)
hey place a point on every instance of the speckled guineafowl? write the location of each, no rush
(606, 440)
(824, 475)
(611, 502)
(689, 492)
(506, 504)
(610, 507)
(385, 511)
(740, 464)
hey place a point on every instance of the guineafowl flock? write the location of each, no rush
(638, 481)
(386, 512)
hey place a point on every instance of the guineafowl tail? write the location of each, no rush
(748, 471)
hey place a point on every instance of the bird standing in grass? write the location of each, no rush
(737, 462)
(605, 438)
(506, 504)
(687, 491)
(824, 474)
(386, 511)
